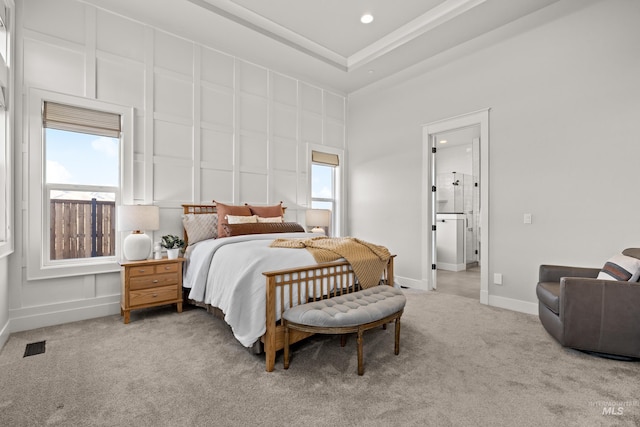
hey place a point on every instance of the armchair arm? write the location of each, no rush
(553, 273)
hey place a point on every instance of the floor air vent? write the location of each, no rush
(34, 348)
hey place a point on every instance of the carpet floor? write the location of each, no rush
(460, 364)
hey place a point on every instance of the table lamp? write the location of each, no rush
(137, 219)
(318, 218)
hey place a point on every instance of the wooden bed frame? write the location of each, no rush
(316, 282)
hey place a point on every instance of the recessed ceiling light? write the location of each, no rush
(370, 71)
(366, 18)
(443, 141)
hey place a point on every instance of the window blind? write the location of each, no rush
(78, 119)
(324, 158)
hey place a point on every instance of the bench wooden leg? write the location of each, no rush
(360, 358)
(286, 345)
(396, 349)
(343, 340)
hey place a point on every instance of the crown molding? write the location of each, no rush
(426, 22)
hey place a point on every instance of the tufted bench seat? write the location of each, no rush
(354, 312)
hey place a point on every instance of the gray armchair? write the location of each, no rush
(582, 312)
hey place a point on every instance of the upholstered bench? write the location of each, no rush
(354, 312)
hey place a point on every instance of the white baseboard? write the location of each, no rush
(451, 267)
(514, 304)
(411, 283)
(492, 300)
(28, 318)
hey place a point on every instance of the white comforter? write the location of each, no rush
(227, 273)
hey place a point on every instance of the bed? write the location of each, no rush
(249, 284)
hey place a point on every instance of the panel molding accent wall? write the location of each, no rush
(207, 124)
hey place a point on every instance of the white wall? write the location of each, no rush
(208, 126)
(564, 94)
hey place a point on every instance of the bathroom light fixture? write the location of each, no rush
(366, 18)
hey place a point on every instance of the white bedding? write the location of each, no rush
(227, 273)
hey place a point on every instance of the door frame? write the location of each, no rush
(429, 132)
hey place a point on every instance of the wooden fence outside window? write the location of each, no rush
(82, 229)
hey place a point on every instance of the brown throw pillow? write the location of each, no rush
(224, 210)
(267, 211)
(262, 228)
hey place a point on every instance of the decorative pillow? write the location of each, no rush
(242, 219)
(267, 211)
(224, 210)
(270, 219)
(621, 267)
(200, 227)
(262, 228)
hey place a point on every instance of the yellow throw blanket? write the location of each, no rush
(368, 260)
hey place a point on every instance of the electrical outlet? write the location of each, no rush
(497, 278)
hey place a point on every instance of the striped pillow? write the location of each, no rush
(621, 267)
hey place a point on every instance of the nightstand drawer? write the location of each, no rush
(149, 283)
(143, 282)
(153, 295)
(153, 269)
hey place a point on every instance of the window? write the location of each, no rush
(80, 157)
(81, 187)
(325, 185)
(6, 132)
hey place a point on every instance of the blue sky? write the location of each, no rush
(76, 158)
(321, 181)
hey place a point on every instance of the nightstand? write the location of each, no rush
(149, 283)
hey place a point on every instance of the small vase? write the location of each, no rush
(173, 253)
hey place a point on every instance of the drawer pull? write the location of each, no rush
(155, 295)
(141, 271)
(155, 281)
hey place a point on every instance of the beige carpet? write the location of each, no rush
(460, 364)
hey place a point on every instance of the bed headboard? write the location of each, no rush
(202, 209)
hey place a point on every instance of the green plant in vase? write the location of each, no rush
(172, 244)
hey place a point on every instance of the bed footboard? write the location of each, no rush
(287, 288)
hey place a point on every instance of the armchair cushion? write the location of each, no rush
(621, 267)
(549, 294)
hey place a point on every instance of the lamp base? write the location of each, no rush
(318, 230)
(136, 246)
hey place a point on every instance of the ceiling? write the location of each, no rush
(323, 41)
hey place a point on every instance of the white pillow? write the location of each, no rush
(621, 267)
(242, 219)
(200, 227)
(270, 219)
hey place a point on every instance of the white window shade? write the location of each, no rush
(325, 158)
(78, 119)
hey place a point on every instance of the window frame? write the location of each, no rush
(7, 15)
(39, 265)
(337, 215)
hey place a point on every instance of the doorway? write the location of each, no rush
(450, 212)
(457, 181)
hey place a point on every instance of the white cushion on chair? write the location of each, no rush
(621, 267)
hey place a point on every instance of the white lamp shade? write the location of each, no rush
(138, 217)
(318, 218)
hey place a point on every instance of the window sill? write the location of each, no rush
(6, 249)
(38, 272)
